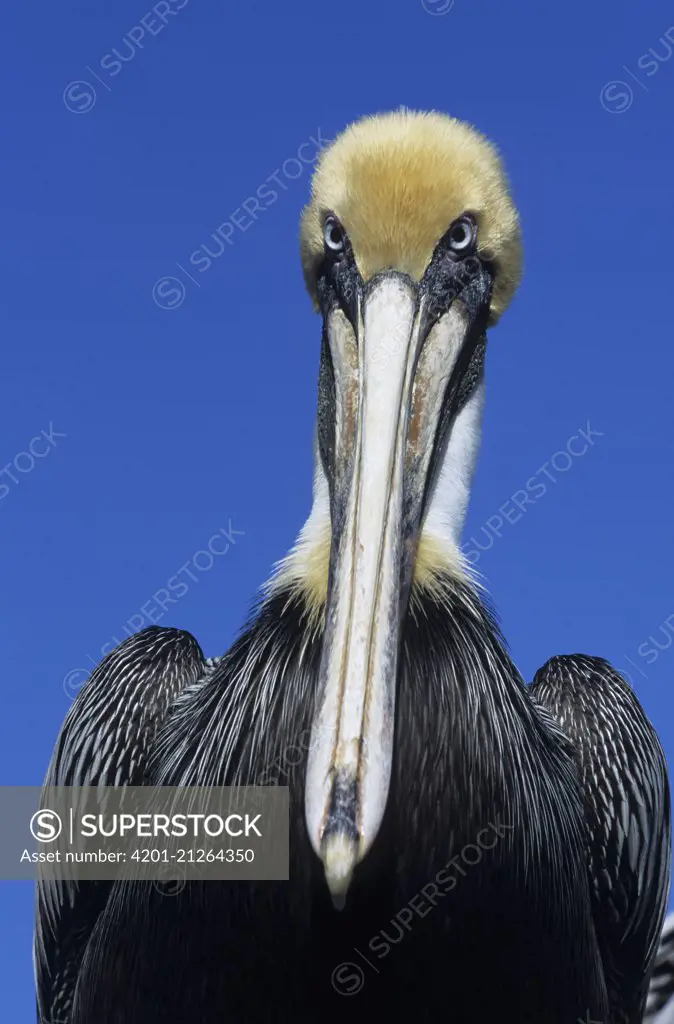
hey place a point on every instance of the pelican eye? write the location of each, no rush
(462, 235)
(333, 235)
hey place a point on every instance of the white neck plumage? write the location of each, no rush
(305, 568)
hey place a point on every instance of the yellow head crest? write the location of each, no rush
(396, 182)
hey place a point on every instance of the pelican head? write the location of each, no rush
(411, 249)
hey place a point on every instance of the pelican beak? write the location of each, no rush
(396, 370)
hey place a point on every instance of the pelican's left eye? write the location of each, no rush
(333, 235)
(462, 234)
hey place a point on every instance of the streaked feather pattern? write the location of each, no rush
(627, 813)
(105, 740)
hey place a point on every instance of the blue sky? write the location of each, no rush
(174, 409)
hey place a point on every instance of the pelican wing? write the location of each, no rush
(627, 811)
(105, 741)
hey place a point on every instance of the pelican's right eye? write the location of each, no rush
(462, 234)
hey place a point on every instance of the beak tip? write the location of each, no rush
(339, 854)
(339, 901)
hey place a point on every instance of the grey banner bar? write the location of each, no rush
(163, 834)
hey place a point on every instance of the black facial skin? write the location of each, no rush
(338, 282)
(450, 275)
(469, 278)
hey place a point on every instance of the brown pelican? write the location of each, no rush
(498, 852)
